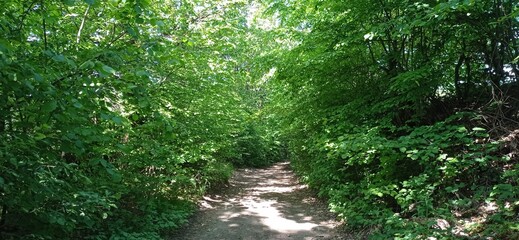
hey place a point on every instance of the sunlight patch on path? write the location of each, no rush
(272, 218)
(262, 204)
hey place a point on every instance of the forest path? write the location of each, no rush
(261, 204)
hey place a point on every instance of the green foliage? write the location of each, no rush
(217, 173)
(400, 184)
(116, 115)
(256, 148)
(386, 108)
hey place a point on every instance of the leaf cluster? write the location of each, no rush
(382, 104)
(117, 115)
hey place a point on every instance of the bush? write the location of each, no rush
(402, 185)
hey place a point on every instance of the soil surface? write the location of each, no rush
(261, 204)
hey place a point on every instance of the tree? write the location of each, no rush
(370, 95)
(116, 115)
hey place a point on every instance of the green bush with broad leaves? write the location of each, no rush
(117, 115)
(395, 112)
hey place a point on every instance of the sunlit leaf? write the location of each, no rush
(108, 69)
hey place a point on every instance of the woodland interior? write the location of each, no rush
(117, 116)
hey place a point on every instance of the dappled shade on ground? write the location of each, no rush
(261, 204)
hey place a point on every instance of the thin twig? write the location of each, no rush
(78, 38)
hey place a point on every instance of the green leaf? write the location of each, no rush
(50, 106)
(132, 31)
(5, 46)
(59, 58)
(89, 2)
(61, 221)
(70, 62)
(87, 65)
(29, 85)
(38, 77)
(104, 163)
(78, 105)
(39, 136)
(108, 69)
(69, 2)
(110, 170)
(105, 116)
(462, 129)
(117, 120)
(141, 73)
(143, 103)
(94, 161)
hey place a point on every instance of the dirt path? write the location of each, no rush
(261, 204)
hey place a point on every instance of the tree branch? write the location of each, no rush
(44, 26)
(78, 37)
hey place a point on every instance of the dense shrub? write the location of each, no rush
(114, 115)
(394, 112)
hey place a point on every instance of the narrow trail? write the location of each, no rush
(261, 204)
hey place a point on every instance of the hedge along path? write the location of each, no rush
(261, 204)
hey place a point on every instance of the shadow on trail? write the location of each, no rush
(261, 204)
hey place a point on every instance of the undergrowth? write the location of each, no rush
(447, 180)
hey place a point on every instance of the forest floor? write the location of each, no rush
(261, 204)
